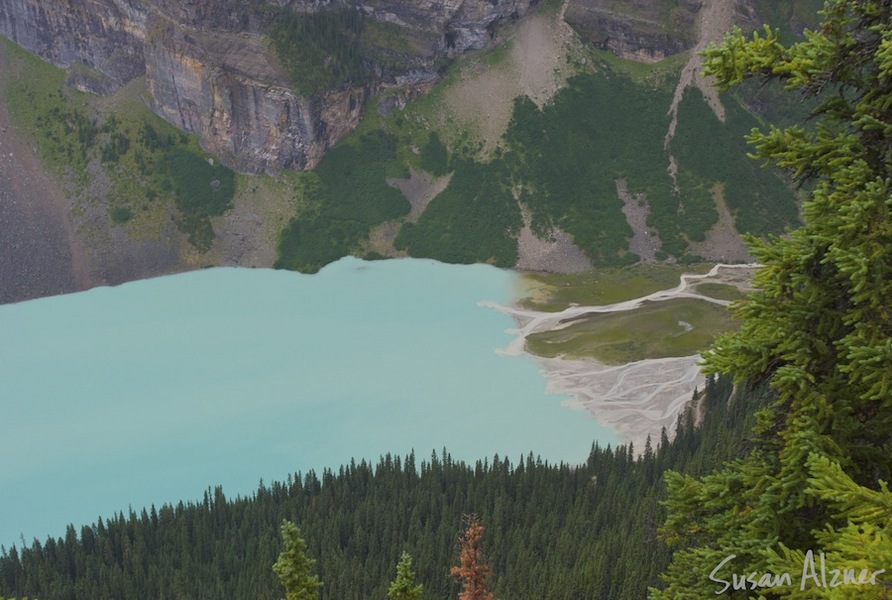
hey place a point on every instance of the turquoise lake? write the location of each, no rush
(153, 391)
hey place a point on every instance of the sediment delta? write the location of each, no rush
(636, 400)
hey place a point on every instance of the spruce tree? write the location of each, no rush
(818, 328)
(403, 587)
(294, 566)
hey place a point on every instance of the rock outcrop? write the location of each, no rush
(642, 30)
(651, 30)
(105, 35)
(209, 71)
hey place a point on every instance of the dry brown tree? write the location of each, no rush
(472, 568)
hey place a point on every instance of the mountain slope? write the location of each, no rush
(615, 207)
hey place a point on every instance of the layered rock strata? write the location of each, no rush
(642, 30)
(209, 71)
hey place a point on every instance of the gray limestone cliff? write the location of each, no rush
(643, 30)
(104, 35)
(210, 72)
(651, 30)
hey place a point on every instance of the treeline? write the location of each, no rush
(552, 531)
(560, 162)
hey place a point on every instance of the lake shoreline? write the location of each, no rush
(152, 392)
(638, 399)
(635, 400)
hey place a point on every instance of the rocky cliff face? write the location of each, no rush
(105, 35)
(651, 30)
(209, 72)
(643, 30)
(228, 89)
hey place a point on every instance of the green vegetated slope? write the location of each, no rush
(149, 168)
(758, 198)
(561, 163)
(330, 49)
(567, 156)
(347, 195)
(475, 219)
(551, 531)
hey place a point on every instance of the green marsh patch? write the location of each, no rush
(719, 291)
(679, 327)
(607, 285)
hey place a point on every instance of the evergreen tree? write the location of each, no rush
(472, 569)
(403, 587)
(293, 566)
(818, 328)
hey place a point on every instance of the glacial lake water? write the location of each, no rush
(153, 391)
